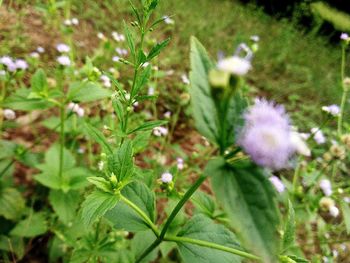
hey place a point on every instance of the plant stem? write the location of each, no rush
(211, 245)
(62, 140)
(146, 219)
(345, 91)
(172, 216)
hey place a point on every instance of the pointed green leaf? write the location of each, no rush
(147, 126)
(11, 203)
(64, 204)
(38, 81)
(346, 214)
(142, 81)
(155, 51)
(129, 39)
(34, 225)
(98, 136)
(87, 91)
(289, 229)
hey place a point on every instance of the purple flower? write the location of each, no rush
(63, 48)
(21, 64)
(318, 136)
(64, 60)
(344, 36)
(332, 109)
(266, 135)
(277, 183)
(166, 177)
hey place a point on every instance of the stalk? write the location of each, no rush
(345, 91)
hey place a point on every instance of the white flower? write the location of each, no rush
(277, 183)
(34, 54)
(168, 20)
(145, 65)
(346, 199)
(235, 65)
(326, 187)
(75, 21)
(106, 81)
(9, 114)
(344, 36)
(160, 131)
(21, 64)
(118, 37)
(100, 35)
(80, 112)
(166, 177)
(100, 165)
(150, 91)
(185, 79)
(64, 60)
(121, 51)
(2, 72)
(67, 22)
(167, 114)
(334, 211)
(62, 48)
(332, 109)
(299, 144)
(74, 107)
(116, 59)
(180, 163)
(40, 49)
(255, 38)
(318, 136)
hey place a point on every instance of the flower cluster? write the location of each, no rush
(74, 107)
(13, 65)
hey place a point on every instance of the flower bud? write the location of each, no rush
(327, 157)
(346, 140)
(338, 151)
(326, 203)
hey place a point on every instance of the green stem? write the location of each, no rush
(146, 219)
(211, 245)
(62, 140)
(345, 91)
(172, 216)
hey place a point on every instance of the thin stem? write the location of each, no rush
(211, 245)
(62, 140)
(345, 91)
(172, 216)
(146, 219)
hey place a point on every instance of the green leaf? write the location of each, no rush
(121, 162)
(140, 243)
(64, 204)
(20, 101)
(204, 203)
(202, 228)
(141, 81)
(98, 136)
(289, 229)
(204, 109)
(87, 91)
(298, 259)
(13, 245)
(140, 141)
(119, 110)
(12, 203)
(39, 82)
(155, 51)
(147, 126)
(248, 198)
(32, 226)
(346, 214)
(96, 205)
(124, 217)
(129, 39)
(100, 183)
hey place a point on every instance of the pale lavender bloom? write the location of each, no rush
(326, 187)
(6, 60)
(121, 51)
(166, 177)
(168, 20)
(9, 114)
(180, 163)
(344, 36)
(40, 49)
(167, 114)
(11, 66)
(255, 38)
(277, 183)
(34, 54)
(64, 60)
(116, 59)
(63, 48)
(332, 109)
(74, 107)
(118, 37)
(185, 79)
(150, 91)
(266, 136)
(160, 131)
(318, 136)
(106, 81)
(21, 64)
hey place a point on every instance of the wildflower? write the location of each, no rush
(21, 64)
(166, 177)
(62, 48)
(346, 199)
(180, 163)
(334, 211)
(121, 51)
(100, 165)
(106, 81)
(185, 79)
(167, 114)
(266, 135)
(160, 131)
(332, 109)
(118, 37)
(145, 65)
(64, 60)
(74, 107)
(346, 139)
(67, 22)
(344, 36)
(80, 112)
(168, 20)
(326, 187)
(116, 59)
(150, 91)
(40, 49)
(2, 72)
(318, 136)
(255, 38)
(9, 114)
(299, 144)
(75, 21)
(326, 203)
(101, 36)
(6, 60)
(34, 54)
(277, 183)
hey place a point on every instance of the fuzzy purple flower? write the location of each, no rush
(266, 135)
